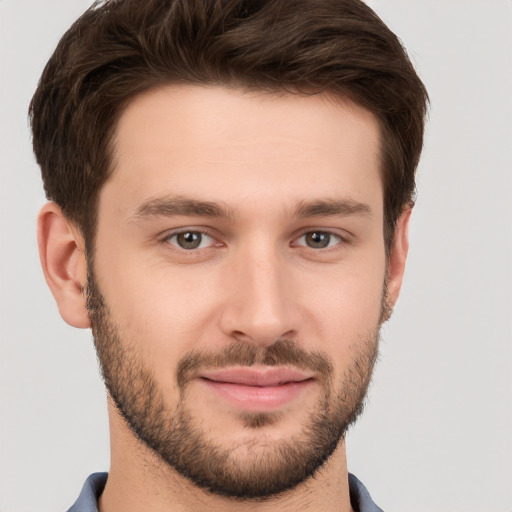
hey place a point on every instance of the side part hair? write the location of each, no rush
(120, 48)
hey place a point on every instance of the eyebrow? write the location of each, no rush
(176, 206)
(179, 206)
(332, 207)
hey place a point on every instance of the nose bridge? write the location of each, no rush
(260, 305)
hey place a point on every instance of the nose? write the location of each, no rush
(260, 305)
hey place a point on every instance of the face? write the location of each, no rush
(237, 286)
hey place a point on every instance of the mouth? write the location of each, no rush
(257, 389)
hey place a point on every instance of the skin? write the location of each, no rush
(253, 280)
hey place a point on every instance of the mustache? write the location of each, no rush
(283, 352)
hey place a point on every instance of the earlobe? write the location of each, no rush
(62, 254)
(397, 258)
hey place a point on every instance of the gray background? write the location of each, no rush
(437, 432)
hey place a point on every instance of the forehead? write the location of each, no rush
(232, 146)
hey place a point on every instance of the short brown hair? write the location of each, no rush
(119, 48)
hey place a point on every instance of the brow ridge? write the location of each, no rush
(176, 206)
(344, 207)
(181, 206)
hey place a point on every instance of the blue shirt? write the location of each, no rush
(94, 485)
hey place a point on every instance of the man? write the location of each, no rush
(230, 188)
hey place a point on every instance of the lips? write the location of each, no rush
(256, 389)
(262, 377)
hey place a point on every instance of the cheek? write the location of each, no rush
(345, 307)
(166, 311)
(162, 312)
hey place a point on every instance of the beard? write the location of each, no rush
(249, 471)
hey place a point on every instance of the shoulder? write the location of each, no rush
(360, 497)
(91, 491)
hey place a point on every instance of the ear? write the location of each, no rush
(62, 254)
(397, 258)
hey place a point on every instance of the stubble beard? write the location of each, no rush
(267, 467)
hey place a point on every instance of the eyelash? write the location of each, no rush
(338, 238)
(202, 233)
(329, 234)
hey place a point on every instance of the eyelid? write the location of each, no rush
(168, 235)
(343, 239)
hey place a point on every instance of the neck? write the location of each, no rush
(140, 480)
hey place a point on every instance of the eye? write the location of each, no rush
(190, 240)
(319, 239)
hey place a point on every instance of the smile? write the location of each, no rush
(257, 389)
